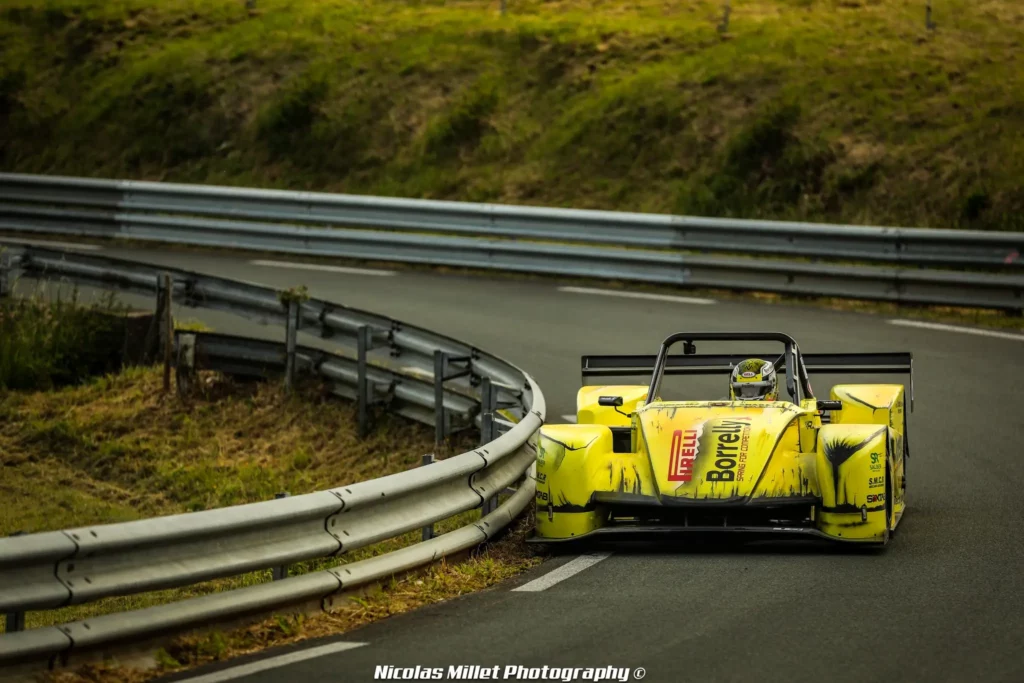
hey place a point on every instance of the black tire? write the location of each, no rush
(906, 456)
(888, 505)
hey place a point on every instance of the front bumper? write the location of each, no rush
(651, 532)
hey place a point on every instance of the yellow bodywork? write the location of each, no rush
(726, 456)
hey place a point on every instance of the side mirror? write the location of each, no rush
(830, 405)
(610, 401)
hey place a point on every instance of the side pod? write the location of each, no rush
(568, 458)
(853, 475)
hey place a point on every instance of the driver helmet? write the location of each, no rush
(754, 380)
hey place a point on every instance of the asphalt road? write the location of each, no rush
(942, 603)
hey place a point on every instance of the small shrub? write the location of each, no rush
(45, 344)
(289, 117)
(165, 661)
(298, 294)
(463, 124)
(975, 204)
(214, 645)
(302, 459)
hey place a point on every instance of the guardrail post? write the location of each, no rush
(442, 361)
(362, 386)
(281, 571)
(487, 405)
(290, 335)
(928, 23)
(167, 325)
(726, 11)
(428, 531)
(185, 364)
(161, 304)
(5, 274)
(15, 621)
(489, 505)
(440, 416)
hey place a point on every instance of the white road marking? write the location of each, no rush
(324, 268)
(638, 295)
(272, 663)
(57, 245)
(568, 418)
(954, 328)
(564, 572)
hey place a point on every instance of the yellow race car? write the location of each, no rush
(754, 463)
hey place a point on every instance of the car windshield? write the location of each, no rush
(698, 366)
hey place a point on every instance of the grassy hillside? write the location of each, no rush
(838, 110)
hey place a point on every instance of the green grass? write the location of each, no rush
(55, 342)
(832, 110)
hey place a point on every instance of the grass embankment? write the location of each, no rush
(814, 109)
(117, 448)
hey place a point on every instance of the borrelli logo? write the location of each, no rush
(508, 673)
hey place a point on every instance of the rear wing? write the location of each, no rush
(714, 364)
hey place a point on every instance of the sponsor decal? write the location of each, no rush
(744, 445)
(876, 497)
(542, 495)
(876, 461)
(683, 452)
(541, 477)
(748, 374)
(727, 444)
(876, 482)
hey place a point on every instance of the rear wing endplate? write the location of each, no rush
(713, 364)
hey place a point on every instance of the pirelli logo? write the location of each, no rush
(683, 452)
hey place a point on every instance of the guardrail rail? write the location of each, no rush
(906, 265)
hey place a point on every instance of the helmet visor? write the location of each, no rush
(751, 390)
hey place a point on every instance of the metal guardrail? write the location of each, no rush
(74, 566)
(629, 246)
